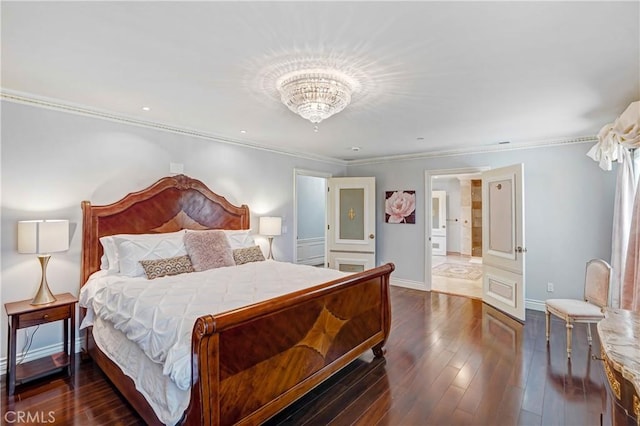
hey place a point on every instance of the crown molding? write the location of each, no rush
(57, 105)
(54, 104)
(474, 150)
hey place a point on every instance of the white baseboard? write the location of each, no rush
(535, 305)
(415, 285)
(39, 353)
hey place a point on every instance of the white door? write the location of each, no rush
(503, 244)
(439, 223)
(352, 223)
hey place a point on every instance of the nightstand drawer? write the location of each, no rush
(43, 316)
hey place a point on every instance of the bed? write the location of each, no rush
(248, 363)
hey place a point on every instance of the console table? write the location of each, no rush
(619, 335)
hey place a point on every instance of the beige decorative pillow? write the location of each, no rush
(162, 267)
(208, 249)
(248, 254)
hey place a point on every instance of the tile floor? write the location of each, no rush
(468, 288)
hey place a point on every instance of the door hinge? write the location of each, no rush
(328, 227)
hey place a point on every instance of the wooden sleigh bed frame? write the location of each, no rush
(251, 362)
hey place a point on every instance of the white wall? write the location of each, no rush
(51, 161)
(568, 213)
(452, 187)
(311, 206)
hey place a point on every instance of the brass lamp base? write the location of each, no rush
(270, 255)
(44, 295)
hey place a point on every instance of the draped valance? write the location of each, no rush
(624, 132)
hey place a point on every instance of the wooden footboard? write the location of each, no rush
(250, 363)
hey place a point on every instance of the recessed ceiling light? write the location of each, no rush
(355, 148)
(146, 108)
(243, 131)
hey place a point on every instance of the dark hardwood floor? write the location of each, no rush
(450, 361)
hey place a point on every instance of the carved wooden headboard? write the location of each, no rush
(171, 204)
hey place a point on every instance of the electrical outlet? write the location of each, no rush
(549, 287)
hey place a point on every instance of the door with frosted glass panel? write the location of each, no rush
(352, 222)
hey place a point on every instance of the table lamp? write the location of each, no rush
(270, 227)
(43, 237)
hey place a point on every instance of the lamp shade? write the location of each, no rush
(43, 236)
(270, 226)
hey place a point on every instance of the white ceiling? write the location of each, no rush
(460, 75)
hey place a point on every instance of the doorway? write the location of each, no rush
(458, 270)
(310, 217)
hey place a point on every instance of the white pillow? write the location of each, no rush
(131, 249)
(104, 262)
(241, 238)
(109, 260)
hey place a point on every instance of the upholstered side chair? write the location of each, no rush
(589, 310)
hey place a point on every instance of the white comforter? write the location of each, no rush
(159, 314)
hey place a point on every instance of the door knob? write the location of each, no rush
(371, 236)
(521, 249)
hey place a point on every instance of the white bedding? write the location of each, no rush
(167, 401)
(159, 314)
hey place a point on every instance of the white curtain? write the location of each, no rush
(614, 142)
(622, 212)
(630, 286)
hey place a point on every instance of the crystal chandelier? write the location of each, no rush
(316, 94)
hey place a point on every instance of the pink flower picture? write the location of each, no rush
(400, 207)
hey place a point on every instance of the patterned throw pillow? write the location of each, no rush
(208, 249)
(163, 267)
(248, 254)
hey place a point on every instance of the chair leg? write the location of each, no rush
(548, 324)
(569, 330)
(589, 333)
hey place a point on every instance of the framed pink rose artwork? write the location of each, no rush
(400, 207)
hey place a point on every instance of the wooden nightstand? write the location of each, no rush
(22, 314)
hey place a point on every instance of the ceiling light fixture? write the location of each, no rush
(316, 94)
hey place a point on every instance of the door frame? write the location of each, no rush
(428, 174)
(304, 172)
